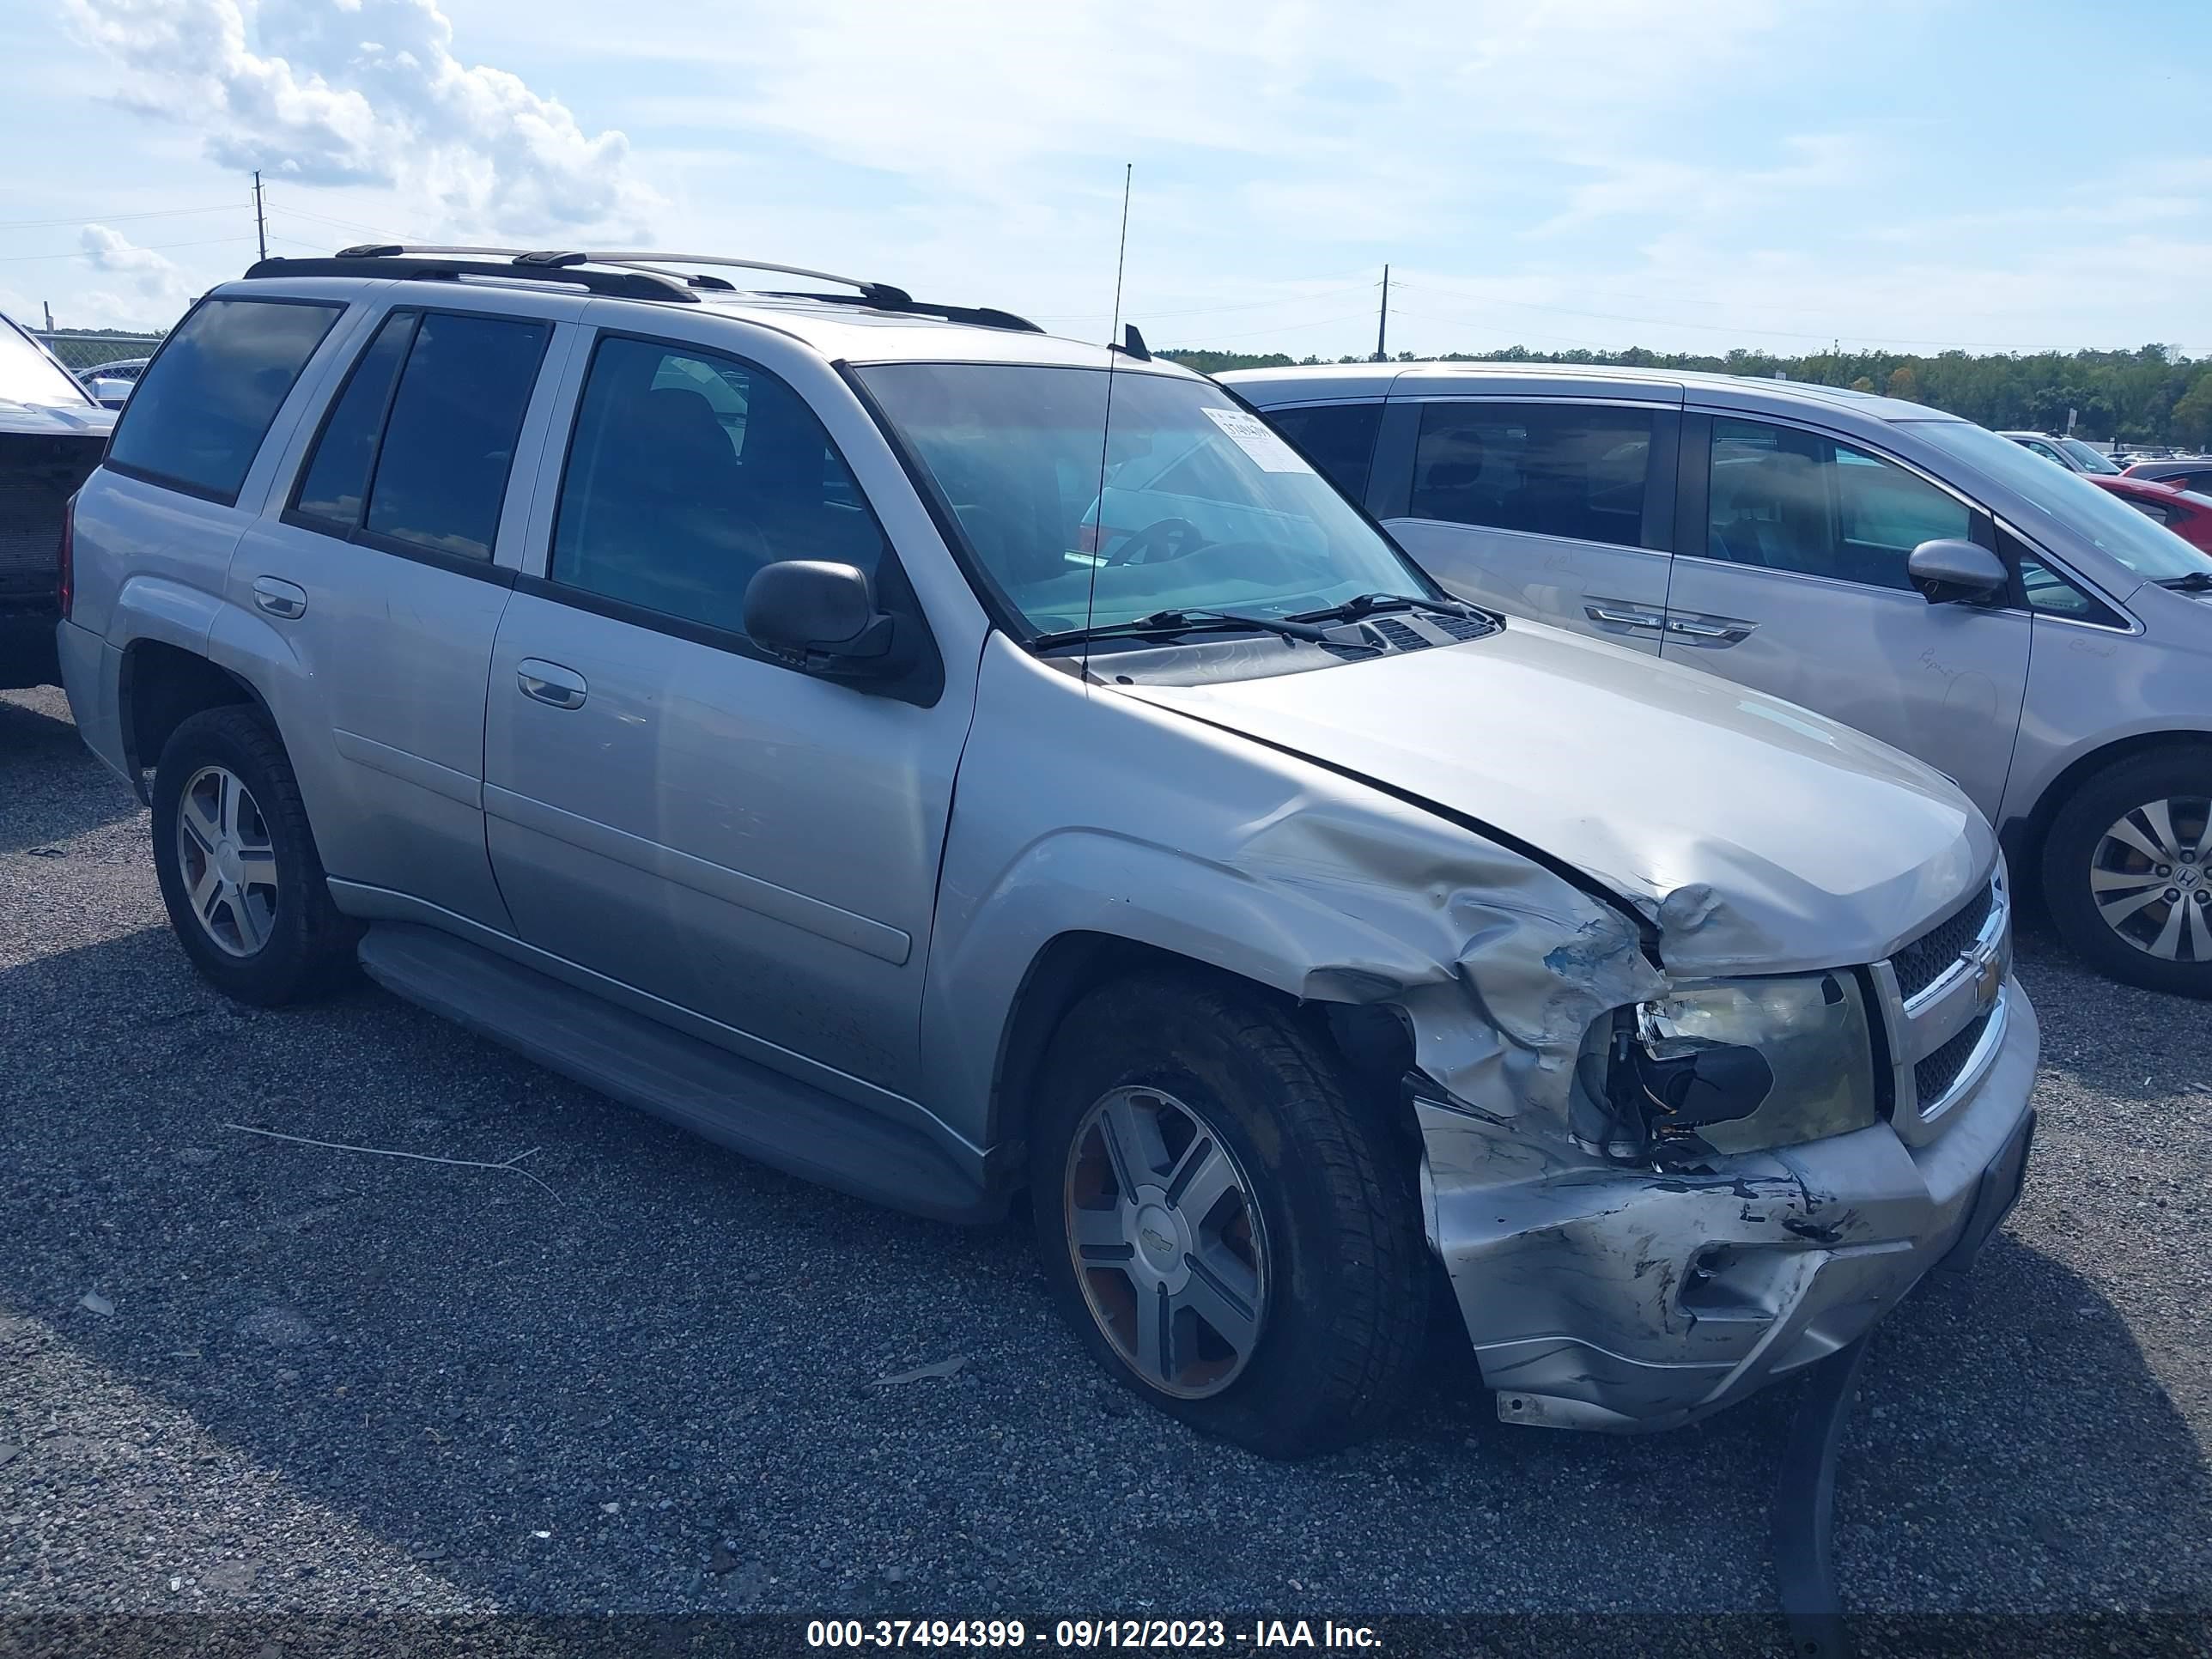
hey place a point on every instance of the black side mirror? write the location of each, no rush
(1948, 571)
(821, 617)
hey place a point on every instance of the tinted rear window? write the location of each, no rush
(1338, 438)
(204, 404)
(449, 440)
(1572, 469)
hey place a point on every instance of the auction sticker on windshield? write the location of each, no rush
(1253, 436)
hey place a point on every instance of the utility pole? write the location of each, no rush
(260, 223)
(49, 304)
(1382, 322)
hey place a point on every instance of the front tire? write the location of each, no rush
(2127, 870)
(1231, 1229)
(238, 866)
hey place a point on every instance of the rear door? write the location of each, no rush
(384, 561)
(753, 848)
(1558, 509)
(1790, 576)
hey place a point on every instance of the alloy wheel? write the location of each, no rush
(2148, 878)
(228, 859)
(1167, 1243)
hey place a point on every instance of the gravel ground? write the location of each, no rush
(240, 1375)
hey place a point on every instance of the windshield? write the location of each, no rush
(2086, 459)
(2070, 501)
(27, 376)
(1204, 507)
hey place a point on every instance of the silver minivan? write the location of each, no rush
(957, 764)
(1931, 583)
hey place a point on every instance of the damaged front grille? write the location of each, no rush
(1924, 960)
(1932, 1077)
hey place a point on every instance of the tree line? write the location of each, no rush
(2151, 395)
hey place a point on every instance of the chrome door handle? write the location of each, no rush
(549, 682)
(1622, 617)
(279, 598)
(1702, 631)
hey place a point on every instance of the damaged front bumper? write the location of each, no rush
(1602, 1298)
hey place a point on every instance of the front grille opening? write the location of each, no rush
(1932, 1077)
(1924, 960)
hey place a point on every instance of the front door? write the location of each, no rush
(1560, 511)
(1799, 589)
(669, 806)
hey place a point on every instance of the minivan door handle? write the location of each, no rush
(1622, 615)
(1714, 631)
(549, 682)
(279, 598)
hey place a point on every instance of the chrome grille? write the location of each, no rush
(1932, 1077)
(1922, 963)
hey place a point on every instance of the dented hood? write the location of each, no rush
(1756, 836)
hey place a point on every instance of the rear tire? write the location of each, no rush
(238, 866)
(2127, 870)
(1313, 1227)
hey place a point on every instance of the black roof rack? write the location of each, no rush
(981, 316)
(408, 264)
(639, 273)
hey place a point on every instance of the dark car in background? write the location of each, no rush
(2182, 473)
(52, 436)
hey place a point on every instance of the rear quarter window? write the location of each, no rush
(204, 404)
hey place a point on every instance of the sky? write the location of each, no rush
(1772, 174)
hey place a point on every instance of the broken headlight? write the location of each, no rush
(1742, 1065)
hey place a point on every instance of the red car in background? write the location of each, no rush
(2187, 514)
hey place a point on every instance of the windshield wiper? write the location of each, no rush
(1366, 604)
(2195, 582)
(1186, 621)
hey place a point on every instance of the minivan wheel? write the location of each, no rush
(1230, 1229)
(237, 863)
(2127, 871)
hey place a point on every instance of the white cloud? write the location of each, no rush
(134, 281)
(368, 92)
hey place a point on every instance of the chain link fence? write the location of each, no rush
(79, 350)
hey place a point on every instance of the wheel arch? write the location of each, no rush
(2023, 836)
(161, 686)
(1372, 1040)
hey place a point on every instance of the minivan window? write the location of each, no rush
(27, 376)
(204, 404)
(1203, 507)
(1576, 470)
(1782, 498)
(1338, 438)
(688, 472)
(2089, 459)
(2068, 502)
(440, 477)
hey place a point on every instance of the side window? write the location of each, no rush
(688, 472)
(1785, 499)
(2050, 591)
(417, 447)
(1572, 470)
(334, 486)
(440, 475)
(1338, 438)
(200, 412)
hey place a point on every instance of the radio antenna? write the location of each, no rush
(1106, 425)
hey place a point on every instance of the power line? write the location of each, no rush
(112, 218)
(84, 253)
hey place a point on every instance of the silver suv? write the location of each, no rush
(1913, 576)
(949, 762)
